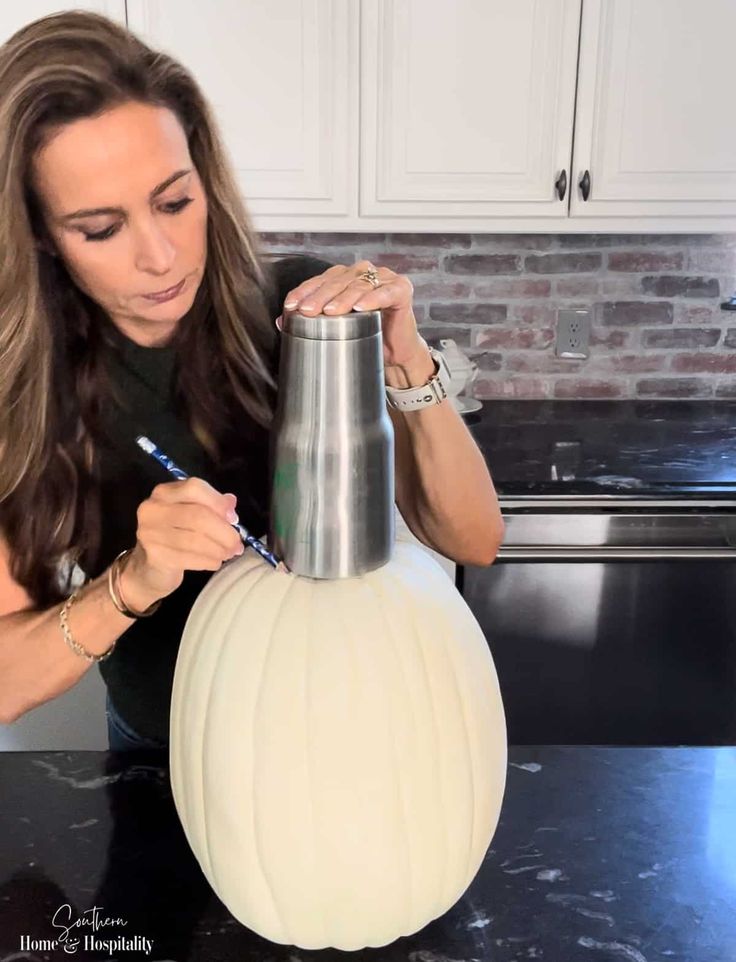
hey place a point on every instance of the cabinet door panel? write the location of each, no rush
(282, 79)
(651, 123)
(467, 106)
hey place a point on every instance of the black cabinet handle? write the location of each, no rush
(584, 185)
(561, 185)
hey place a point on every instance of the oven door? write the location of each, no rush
(613, 624)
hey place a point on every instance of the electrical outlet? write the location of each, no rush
(573, 334)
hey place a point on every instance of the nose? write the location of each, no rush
(154, 252)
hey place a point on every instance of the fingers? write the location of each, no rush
(195, 491)
(311, 285)
(191, 549)
(341, 292)
(191, 509)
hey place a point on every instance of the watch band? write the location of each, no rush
(433, 392)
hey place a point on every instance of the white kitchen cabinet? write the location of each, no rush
(654, 126)
(467, 107)
(460, 115)
(282, 78)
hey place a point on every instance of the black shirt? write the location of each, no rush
(139, 673)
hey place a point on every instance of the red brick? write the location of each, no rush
(645, 261)
(429, 287)
(480, 264)
(682, 337)
(627, 363)
(469, 313)
(609, 339)
(704, 363)
(513, 287)
(614, 313)
(562, 263)
(274, 239)
(690, 314)
(576, 286)
(352, 238)
(517, 242)
(674, 387)
(541, 314)
(583, 388)
(405, 263)
(515, 338)
(433, 241)
(510, 387)
(677, 285)
(541, 363)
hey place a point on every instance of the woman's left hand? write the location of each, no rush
(340, 290)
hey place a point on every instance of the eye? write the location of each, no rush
(173, 208)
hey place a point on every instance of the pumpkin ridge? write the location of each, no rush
(440, 616)
(294, 581)
(219, 592)
(376, 586)
(469, 753)
(186, 669)
(308, 743)
(416, 634)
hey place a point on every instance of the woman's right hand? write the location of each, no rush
(183, 525)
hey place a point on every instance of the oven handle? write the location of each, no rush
(551, 502)
(596, 553)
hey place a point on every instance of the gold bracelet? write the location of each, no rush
(74, 645)
(113, 587)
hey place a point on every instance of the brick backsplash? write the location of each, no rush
(658, 328)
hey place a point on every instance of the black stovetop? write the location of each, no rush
(645, 448)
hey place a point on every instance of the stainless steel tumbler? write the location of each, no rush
(332, 449)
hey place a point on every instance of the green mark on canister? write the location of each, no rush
(284, 498)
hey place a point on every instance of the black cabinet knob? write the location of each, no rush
(561, 185)
(584, 185)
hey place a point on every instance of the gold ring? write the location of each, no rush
(370, 275)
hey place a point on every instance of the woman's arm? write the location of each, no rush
(36, 664)
(443, 487)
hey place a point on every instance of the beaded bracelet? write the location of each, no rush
(113, 587)
(74, 645)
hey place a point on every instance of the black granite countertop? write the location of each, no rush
(609, 447)
(601, 855)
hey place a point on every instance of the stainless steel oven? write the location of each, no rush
(612, 618)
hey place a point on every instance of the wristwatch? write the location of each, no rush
(433, 392)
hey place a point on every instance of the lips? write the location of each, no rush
(167, 292)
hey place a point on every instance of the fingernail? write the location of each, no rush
(290, 304)
(232, 517)
(278, 320)
(358, 307)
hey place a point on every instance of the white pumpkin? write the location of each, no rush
(337, 748)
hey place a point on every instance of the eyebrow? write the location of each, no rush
(91, 212)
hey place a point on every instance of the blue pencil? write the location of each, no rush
(150, 448)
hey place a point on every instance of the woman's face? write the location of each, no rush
(148, 243)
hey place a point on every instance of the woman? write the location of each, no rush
(115, 186)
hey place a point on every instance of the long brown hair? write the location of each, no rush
(56, 70)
